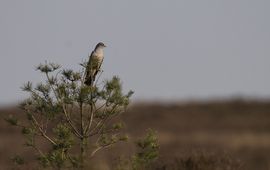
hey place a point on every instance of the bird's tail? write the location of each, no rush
(89, 81)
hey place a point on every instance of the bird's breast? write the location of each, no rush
(98, 56)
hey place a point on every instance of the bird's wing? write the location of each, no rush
(97, 69)
(100, 64)
(93, 67)
(88, 67)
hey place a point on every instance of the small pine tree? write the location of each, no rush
(147, 152)
(74, 119)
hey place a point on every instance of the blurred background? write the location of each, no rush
(199, 69)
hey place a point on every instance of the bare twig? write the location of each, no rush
(70, 122)
(101, 147)
(41, 130)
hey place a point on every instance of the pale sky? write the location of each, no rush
(163, 50)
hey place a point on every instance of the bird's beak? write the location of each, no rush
(105, 45)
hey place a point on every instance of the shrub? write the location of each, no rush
(73, 119)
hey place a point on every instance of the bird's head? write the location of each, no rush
(100, 45)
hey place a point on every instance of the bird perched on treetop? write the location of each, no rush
(94, 63)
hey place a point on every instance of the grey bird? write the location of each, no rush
(94, 64)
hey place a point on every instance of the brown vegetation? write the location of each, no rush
(193, 136)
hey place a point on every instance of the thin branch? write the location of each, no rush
(102, 122)
(101, 147)
(41, 130)
(46, 124)
(81, 116)
(99, 75)
(53, 89)
(84, 73)
(70, 122)
(97, 125)
(91, 118)
(92, 108)
(38, 150)
(105, 104)
(101, 107)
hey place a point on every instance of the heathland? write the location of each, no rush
(199, 135)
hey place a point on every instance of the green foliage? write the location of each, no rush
(75, 121)
(64, 138)
(17, 160)
(148, 151)
(12, 120)
(71, 117)
(48, 67)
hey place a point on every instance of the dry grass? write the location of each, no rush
(193, 136)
